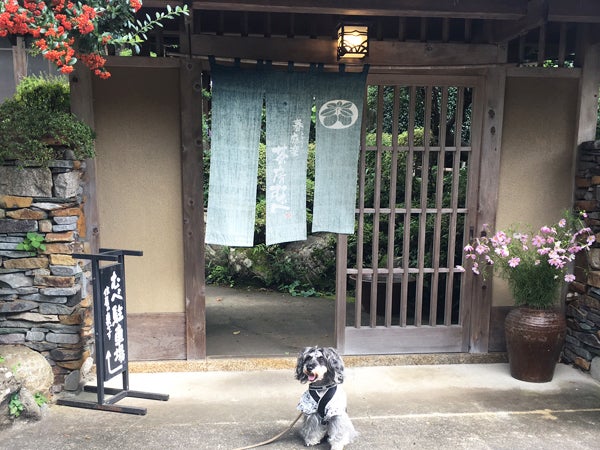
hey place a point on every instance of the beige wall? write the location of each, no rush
(139, 182)
(536, 178)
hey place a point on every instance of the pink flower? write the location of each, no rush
(562, 223)
(481, 249)
(538, 241)
(502, 251)
(459, 268)
(514, 262)
(569, 277)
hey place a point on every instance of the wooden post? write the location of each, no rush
(193, 207)
(19, 60)
(82, 105)
(589, 83)
(493, 114)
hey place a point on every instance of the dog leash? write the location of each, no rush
(274, 438)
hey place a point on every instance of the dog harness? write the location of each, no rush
(325, 401)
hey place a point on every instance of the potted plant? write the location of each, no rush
(536, 264)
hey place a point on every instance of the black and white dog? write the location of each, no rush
(324, 403)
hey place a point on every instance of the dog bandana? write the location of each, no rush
(325, 404)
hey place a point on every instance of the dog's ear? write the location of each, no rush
(334, 363)
(299, 365)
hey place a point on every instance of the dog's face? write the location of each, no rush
(319, 366)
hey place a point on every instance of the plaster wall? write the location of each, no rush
(538, 145)
(136, 113)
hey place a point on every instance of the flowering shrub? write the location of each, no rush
(535, 264)
(65, 31)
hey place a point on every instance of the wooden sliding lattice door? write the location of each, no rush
(398, 287)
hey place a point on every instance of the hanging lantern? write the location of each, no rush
(353, 41)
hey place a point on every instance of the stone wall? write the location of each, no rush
(44, 300)
(583, 303)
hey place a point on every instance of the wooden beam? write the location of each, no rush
(142, 61)
(537, 15)
(384, 53)
(474, 9)
(574, 11)
(193, 208)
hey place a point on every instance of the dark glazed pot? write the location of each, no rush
(534, 340)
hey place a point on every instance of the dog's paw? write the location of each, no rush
(312, 443)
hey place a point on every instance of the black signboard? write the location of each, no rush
(114, 323)
(110, 332)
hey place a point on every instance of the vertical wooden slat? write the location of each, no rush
(244, 23)
(268, 25)
(541, 46)
(458, 123)
(193, 209)
(401, 28)
(423, 29)
(392, 207)
(439, 205)
(445, 29)
(562, 45)
(341, 289)
(408, 204)
(221, 24)
(379, 30)
(521, 49)
(376, 206)
(361, 221)
(292, 26)
(423, 206)
(468, 30)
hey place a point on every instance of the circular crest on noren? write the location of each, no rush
(338, 114)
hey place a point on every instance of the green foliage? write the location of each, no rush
(1, 359)
(15, 406)
(47, 93)
(295, 290)
(420, 95)
(217, 274)
(40, 399)
(135, 31)
(33, 243)
(36, 127)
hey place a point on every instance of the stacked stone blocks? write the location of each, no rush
(44, 301)
(582, 346)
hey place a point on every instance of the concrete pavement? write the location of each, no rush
(462, 406)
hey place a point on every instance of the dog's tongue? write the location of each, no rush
(312, 377)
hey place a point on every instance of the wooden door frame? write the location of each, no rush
(488, 109)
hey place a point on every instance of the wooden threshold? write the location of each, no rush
(156, 336)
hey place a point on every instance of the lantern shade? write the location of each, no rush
(353, 41)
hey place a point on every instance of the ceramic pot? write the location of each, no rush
(534, 340)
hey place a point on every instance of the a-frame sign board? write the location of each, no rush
(110, 332)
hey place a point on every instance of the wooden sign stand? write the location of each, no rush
(110, 332)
